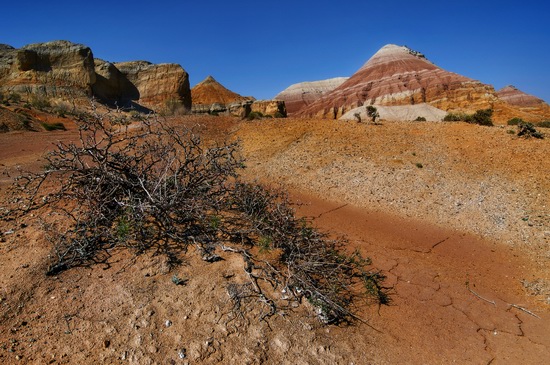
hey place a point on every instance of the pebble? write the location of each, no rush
(181, 353)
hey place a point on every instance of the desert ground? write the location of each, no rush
(456, 216)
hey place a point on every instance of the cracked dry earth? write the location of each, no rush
(458, 273)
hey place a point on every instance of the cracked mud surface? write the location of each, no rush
(456, 297)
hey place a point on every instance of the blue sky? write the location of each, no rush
(259, 48)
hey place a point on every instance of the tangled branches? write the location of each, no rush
(150, 186)
(134, 187)
(310, 264)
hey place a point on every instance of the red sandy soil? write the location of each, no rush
(460, 292)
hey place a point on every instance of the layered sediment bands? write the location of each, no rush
(157, 83)
(302, 94)
(209, 91)
(54, 68)
(513, 96)
(397, 75)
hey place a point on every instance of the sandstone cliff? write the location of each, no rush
(54, 68)
(157, 84)
(397, 75)
(112, 85)
(302, 94)
(62, 69)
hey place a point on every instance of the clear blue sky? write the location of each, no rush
(259, 48)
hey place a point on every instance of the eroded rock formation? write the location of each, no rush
(54, 68)
(210, 91)
(302, 94)
(209, 96)
(158, 83)
(62, 68)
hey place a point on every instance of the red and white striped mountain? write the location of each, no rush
(514, 96)
(397, 75)
(300, 95)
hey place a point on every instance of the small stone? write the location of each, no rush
(181, 353)
(168, 323)
(106, 343)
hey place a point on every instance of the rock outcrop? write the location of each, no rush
(59, 69)
(157, 84)
(209, 96)
(54, 68)
(274, 108)
(397, 75)
(210, 91)
(302, 94)
(113, 85)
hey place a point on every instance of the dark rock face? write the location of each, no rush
(158, 84)
(111, 85)
(397, 75)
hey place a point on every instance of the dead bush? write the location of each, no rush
(148, 186)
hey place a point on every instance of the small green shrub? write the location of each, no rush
(14, 97)
(457, 117)
(420, 119)
(528, 130)
(60, 110)
(372, 112)
(4, 128)
(544, 124)
(255, 115)
(515, 121)
(483, 117)
(53, 126)
(40, 102)
(279, 115)
(419, 165)
(25, 121)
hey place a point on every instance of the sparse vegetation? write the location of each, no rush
(11, 97)
(278, 114)
(528, 130)
(255, 115)
(174, 107)
(53, 126)
(420, 119)
(161, 189)
(544, 124)
(419, 165)
(40, 102)
(481, 117)
(372, 113)
(457, 117)
(515, 121)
